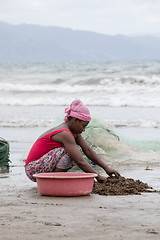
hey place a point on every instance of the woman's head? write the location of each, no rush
(78, 110)
(76, 125)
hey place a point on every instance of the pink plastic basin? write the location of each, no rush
(65, 183)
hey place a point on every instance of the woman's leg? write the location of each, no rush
(60, 170)
(56, 160)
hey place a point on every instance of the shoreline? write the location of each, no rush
(130, 150)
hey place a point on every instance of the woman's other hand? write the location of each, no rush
(112, 172)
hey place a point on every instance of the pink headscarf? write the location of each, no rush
(78, 110)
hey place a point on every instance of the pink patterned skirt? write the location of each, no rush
(55, 158)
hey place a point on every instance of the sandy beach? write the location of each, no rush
(25, 214)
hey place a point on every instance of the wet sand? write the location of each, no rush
(25, 214)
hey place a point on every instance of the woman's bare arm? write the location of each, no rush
(94, 157)
(69, 143)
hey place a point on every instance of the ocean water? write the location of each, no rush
(123, 97)
(118, 84)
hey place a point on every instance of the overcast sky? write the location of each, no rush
(129, 17)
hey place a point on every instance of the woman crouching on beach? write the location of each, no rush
(58, 149)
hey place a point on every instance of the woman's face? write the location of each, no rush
(78, 126)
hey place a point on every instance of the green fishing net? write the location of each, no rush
(105, 142)
(114, 149)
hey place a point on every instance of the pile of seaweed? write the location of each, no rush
(121, 186)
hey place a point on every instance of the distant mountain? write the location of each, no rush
(37, 43)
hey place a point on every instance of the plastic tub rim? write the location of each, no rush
(69, 175)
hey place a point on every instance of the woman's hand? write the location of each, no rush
(101, 179)
(112, 172)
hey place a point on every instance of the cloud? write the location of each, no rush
(105, 16)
